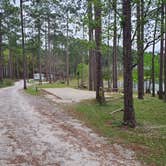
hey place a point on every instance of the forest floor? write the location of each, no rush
(35, 131)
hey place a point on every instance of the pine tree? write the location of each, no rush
(129, 115)
(161, 52)
(1, 58)
(98, 41)
(114, 61)
(23, 45)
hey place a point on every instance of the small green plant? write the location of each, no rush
(33, 90)
(6, 83)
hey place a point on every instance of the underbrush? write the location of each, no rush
(6, 83)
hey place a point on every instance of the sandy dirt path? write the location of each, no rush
(36, 132)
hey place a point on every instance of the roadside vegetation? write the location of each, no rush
(148, 139)
(6, 83)
(35, 88)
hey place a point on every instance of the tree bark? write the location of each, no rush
(39, 52)
(161, 53)
(90, 26)
(98, 40)
(140, 46)
(165, 58)
(129, 115)
(49, 52)
(10, 62)
(153, 59)
(94, 71)
(114, 65)
(23, 45)
(108, 54)
(17, 68)
(82, 74)
(67, 51)
(1, 58)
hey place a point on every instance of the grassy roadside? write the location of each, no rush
(6, 83)
(35, 88)
(148, 140)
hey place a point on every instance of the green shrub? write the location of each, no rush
(6, 82)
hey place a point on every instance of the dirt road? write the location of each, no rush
(35, 132)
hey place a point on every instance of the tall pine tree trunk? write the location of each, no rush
(67, 51)
(129, 115)
(1, 59)
(49, 52)
(114, 64)
(23, 45)
(10, 62)
(94, 70)
(39, 52)
(153, 59)
(46, 52)
(17, 67)
(98, 40)
(108, 53)
(140, 45)
(90, 19)
(161, 53)
(165, 58)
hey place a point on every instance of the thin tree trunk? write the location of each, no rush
(67, 51)
(14, 67)
(94, 70)
(46, 53)
(161, 53)
(90, 19)
(165, 58)
(49, 52)
(153, 59)
(129, 115)
(23, 47)
(108, 54)
(114, 65)
(39, 53)
(140, 17)
(28, 67)
(17, 67)
(82, 74)
(10, 62)
(1, 58)
(33, 63)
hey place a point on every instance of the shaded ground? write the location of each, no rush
(36, 132)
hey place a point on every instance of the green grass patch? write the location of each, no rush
(6, 83)
(148, 139)
(35, 88)
(53, 85)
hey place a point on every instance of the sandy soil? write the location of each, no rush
(69, 95)
(36, 132)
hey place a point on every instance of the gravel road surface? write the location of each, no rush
(36, 132)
